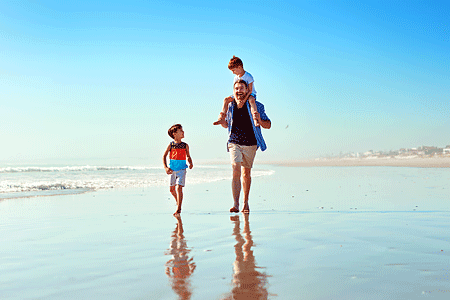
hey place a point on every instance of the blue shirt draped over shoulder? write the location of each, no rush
(257, 130)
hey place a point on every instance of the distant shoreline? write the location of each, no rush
(416, 162)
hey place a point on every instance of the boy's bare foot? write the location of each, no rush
(234, 210)
(220, 120)
(177, 213)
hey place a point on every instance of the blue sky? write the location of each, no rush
(104, 80)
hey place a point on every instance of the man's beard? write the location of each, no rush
(240, 96)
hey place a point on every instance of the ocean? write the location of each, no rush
(18, 181)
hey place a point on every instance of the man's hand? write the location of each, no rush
(168, 170)
(257, 117)
(264, 124)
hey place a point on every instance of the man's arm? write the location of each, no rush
(266, 124)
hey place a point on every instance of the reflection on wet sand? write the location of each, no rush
(180, 267)
(248, 282)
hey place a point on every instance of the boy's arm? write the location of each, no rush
(168, 170)
(188, 156)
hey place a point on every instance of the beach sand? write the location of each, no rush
(411, 162)
(313, 233)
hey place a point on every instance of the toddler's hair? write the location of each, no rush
(235, 62)
(173, 129)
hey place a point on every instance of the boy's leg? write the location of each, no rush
(179, 199)
(173, 178)
(253, 109)
(173, 192)
(224, 111)
(181, 180)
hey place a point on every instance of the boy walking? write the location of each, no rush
(178, 153)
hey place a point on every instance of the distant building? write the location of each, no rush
(446, 150)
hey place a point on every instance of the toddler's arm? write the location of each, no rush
(188, 156)
(168, 170)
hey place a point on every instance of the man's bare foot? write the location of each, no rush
(246, 211)
(234, 210)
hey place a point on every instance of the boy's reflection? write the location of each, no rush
(248, 283)
(180, 267)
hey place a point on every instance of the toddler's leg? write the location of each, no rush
(253, 109)
(179, 199)
(173, 192)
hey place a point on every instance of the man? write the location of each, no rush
(244, 139)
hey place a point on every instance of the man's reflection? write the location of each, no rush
(180, 267)
(248, 283)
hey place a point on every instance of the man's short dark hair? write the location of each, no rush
(173, 129)
(241, 81)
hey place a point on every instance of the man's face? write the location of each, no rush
(240, 91)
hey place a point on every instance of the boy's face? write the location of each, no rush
(239, 71)
(179, 134)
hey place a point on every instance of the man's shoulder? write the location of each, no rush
(259, 103)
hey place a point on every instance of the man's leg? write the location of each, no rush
(236, 186)
(246, 182)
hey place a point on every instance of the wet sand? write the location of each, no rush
(313, 233)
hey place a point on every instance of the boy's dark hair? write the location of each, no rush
(173, 129)
(241, 81)
(235, 62)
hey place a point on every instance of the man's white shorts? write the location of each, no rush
(242, 154)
